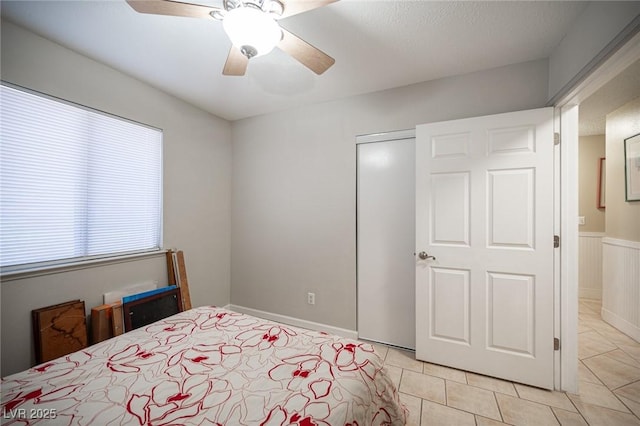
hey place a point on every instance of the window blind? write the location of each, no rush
(75, 183)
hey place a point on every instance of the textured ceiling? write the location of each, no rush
(377, 45)
(617, 92)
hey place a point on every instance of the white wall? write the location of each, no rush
(590, 265)
(594, 29)
(294, 183)
(621, 285)
(197, 183)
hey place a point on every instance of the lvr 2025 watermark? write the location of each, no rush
(29, 413)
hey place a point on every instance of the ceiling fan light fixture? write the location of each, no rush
(252, 31)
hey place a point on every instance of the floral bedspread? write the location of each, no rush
(209, 366)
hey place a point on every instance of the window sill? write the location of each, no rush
(74, 266)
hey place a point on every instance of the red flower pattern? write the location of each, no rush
(210, 366)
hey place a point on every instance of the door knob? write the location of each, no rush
(424, 256)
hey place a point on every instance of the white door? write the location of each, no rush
(386, 239)
(484, 210)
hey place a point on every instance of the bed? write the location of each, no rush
(209, 366)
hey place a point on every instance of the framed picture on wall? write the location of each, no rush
(602, 174)
(632, 167)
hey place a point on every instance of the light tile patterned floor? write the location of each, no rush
(609, 372)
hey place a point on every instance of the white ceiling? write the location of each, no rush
(377, 45)
(617, 92)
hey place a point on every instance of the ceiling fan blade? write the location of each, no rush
(293, 7)
(172, 8)
(309, 56)
(236, 63)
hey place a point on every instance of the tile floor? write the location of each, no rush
(609, 370)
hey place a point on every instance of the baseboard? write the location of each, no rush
(296, 322)
(621, 324)
(590, 293)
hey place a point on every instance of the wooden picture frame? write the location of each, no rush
(59, 330)
(602, 175)
(632, 168)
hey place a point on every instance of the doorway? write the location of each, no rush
(609, 251)
(591, 95)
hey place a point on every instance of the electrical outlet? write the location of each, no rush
(580, 220)
(311, 298)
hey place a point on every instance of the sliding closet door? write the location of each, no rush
(386, 241)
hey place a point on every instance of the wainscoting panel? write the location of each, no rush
(590, 265)
(621, 285)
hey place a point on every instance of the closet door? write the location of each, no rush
(386, 241)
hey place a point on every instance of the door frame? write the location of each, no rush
(566, 123)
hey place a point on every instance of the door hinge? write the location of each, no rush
(556, 344)
(556, 138)
(556, 241)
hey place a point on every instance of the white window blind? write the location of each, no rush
(75, 183)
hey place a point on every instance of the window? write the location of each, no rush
(75, 183)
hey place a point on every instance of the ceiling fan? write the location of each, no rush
(252, 27)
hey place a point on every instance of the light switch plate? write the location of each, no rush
(580, 220)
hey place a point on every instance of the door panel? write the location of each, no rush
(512, 226)
(386, 235)
(510, 313)
(452, 146)
(484, 210)
(512, 140)
(450, 209)
(450, 305)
